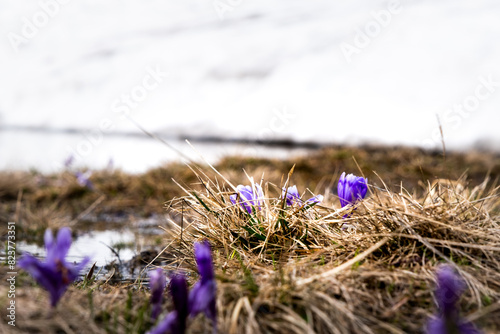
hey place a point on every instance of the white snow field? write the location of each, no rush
(311, 70)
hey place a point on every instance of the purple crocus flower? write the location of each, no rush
(175, 321)
(68, 162)
(157, 283)
(54, 274)
(351, 188)
(202, 296)
(448, 291)
(247, 197)
(293, 196)
(83, 179)
(110, 165)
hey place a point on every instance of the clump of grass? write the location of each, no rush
(306, 269)
(271, 230)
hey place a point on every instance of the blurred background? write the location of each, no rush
(80, 77)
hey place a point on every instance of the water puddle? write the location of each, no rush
(97, 245)
(120, 253)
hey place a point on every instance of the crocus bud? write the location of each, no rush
(351, 188)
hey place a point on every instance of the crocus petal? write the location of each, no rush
(48, 238)
(364, 188)
(202, 299)
(341, 190)
(245, 194)
(247, 207)
(292, 195)
(248, 198)
(254, 196)
(74, 270)
(449, 289)
(315, 199)
(38, 271)
(59, 250)
(46, 275)
(196, 301)
(436, 326)
(157, 283)
(232, 198)
(180, 296)
(359, 188)
(83, 179)
(203, 258)
(167, 325)
(293, 191)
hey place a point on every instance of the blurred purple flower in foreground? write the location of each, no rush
(351, 188)
(175, 321)
(202, 296)
(54, 274)
(448, 291)
(247, 197)
(83, 179)
(157, 283)
(293, 196)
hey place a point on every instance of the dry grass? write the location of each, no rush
(308, 270)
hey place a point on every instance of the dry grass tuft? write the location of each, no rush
(306, 269)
